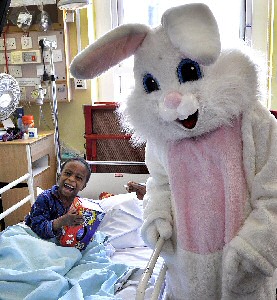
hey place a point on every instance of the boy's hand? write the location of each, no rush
(71, 218)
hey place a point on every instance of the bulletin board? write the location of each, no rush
(29, 74)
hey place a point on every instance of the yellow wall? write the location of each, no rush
(70, 114)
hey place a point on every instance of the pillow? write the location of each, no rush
(122, 220)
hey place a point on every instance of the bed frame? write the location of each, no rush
(14, 184)
(159, 285)
(30, 197)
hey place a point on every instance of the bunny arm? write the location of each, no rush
(255, 243)
(157, 201)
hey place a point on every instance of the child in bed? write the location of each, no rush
(51, 210)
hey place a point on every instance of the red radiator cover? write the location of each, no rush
(105, 140)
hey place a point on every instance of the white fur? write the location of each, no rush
(223, 93)
(188, 25)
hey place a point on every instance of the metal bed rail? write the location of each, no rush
(116, 163)
(148, 272)
(30, 197)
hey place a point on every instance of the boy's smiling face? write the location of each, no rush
(73, 179)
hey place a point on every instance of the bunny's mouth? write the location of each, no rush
(190, 121)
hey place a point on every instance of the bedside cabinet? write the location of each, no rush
(18, 157)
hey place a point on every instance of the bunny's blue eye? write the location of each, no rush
(150, 83)
(188, 70)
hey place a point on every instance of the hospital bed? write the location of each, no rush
(122, 221)
(121, 224)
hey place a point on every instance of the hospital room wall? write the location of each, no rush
(70, 114)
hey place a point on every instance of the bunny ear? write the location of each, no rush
(193, 29)
(108, 51)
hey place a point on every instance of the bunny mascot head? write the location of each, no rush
(211, 150)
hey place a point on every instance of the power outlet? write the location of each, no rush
(40, 69)
(50, 38)
(11, 44)
(9, 58)
(46, 56)
(15, 71)
(57, 55)
(22, 93)
(2, 45)
(80, 84)
(2, 59)
(26, 42)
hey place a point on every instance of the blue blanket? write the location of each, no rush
(32, 269)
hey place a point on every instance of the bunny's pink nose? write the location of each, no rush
(172, 100)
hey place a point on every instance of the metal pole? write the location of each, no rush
(55, 111)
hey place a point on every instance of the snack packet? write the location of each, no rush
(80, 236)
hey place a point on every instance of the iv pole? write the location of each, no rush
(55, 110)
(52, 45)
